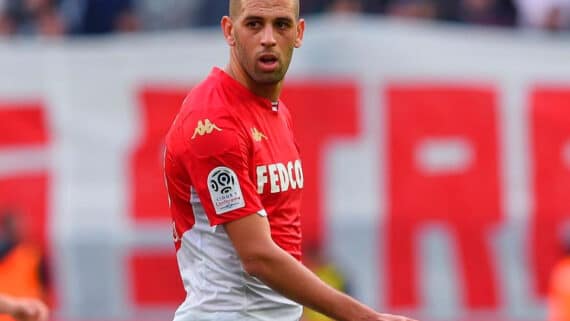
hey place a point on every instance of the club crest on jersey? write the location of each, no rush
(205, 127)
(281, 177)
(257, 135)
(224, 190)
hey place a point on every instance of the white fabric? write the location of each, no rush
(268, 315)
(217, 285)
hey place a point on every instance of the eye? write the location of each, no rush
(253, 24)
(282, 24)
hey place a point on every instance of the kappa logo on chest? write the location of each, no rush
(257, 135)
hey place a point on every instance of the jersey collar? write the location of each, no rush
(243, 91)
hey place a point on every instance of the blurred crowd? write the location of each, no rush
(57, 18)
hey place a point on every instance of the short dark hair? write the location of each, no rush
(235, 7)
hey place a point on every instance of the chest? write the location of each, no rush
(275, 161)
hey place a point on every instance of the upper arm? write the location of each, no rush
(251, 237)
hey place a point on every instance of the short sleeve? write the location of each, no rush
(219, 167)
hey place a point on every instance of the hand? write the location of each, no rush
(29, 310)
(390, 317)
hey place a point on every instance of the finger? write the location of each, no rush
(40, 311)
(392, 317)
(24, 309)
(43, 313)
(35, 311)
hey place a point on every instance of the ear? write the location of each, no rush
(228, 28)
(300, 33)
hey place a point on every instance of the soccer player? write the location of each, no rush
(234, 178)
(23, 309)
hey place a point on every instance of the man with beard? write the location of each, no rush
(235, 178)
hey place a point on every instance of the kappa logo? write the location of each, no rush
(204, 128)
(257, 135)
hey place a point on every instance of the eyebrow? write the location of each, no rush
(281, 18)
(288, 19)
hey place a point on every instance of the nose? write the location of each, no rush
(268, 38)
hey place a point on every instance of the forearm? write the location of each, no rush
(262, 258)
(287, 276)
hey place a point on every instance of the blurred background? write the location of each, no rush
(435, 137)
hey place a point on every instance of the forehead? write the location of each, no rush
(267, 7)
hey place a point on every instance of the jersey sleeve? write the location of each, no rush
(219, 166)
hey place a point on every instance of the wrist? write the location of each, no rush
(357, 311)
(345, 308)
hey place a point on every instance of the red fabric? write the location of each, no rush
(223, 125)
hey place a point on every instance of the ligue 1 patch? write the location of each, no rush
(224, 190)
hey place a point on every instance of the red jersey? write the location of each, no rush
(229, 154)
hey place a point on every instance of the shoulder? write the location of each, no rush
(207, 93)
(211, 127)
(210, 100)
(207, 114)
(214, 133)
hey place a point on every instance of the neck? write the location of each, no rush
(269, 91)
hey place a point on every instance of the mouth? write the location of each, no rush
(268, 62)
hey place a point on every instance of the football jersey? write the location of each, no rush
(229, 154)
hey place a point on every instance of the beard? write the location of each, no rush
(251, 67)
(267, 78)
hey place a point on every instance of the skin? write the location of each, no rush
(272, 27)
(260, 29)
(23, 309)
